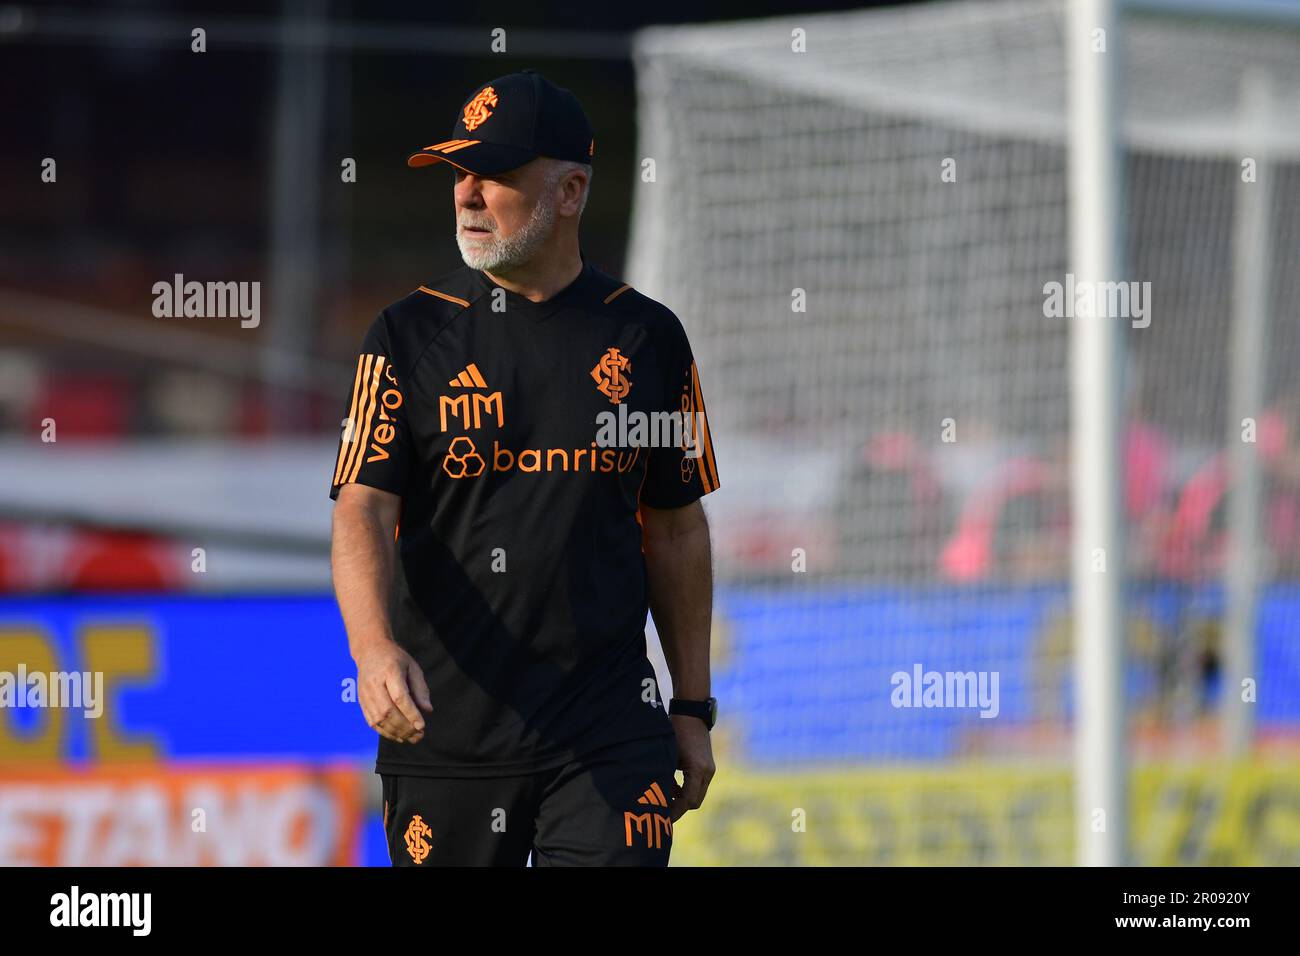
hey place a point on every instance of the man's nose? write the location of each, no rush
(469, 191)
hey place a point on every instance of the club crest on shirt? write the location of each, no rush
(610, 375)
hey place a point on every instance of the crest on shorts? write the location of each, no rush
(479, 108)
(417, 838)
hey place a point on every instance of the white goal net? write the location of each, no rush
(856, 216)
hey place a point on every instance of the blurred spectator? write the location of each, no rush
(1148, 496)
(1016, 528)
(1279, 449)
(1148, 499)
(1195, 546)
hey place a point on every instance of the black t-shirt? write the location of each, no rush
(522, 590)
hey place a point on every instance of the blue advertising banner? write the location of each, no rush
(198, 692)
(805, 676)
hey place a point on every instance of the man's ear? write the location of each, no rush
(572, 186)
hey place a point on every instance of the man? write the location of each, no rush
(503, 659)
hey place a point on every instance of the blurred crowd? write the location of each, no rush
(982, 510)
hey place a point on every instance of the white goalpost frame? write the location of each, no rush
(1097, 363)
(1096, 388)
(1252, 253)
(1107, 133)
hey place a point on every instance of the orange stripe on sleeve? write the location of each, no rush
(359, 420)
(709, 485)
(371, 404)
(367, 362)
(345, 448)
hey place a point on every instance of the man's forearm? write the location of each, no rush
(362, 560)
(680, 574)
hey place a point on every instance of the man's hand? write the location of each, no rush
(679, 572)
(390, 688)
(695, 761)
(390, 685)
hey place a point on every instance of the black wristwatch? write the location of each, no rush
(706, 710)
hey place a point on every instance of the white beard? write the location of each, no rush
(501, 255)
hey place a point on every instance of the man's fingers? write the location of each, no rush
(383, 714)
(388, 720)
(692, 794)
(419, 687)
(676, 805)
(400, 730)
(396, 727)
(401, 697)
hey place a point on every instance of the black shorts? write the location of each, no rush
(606, 808)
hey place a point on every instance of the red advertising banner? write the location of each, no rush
(180, 815)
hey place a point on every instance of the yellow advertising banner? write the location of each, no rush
(1199, 814)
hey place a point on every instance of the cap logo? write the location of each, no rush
(476, 110)
(592, 148)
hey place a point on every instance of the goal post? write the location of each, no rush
(1094, 43)
(858, 217)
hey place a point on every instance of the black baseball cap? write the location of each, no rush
(508, 122)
